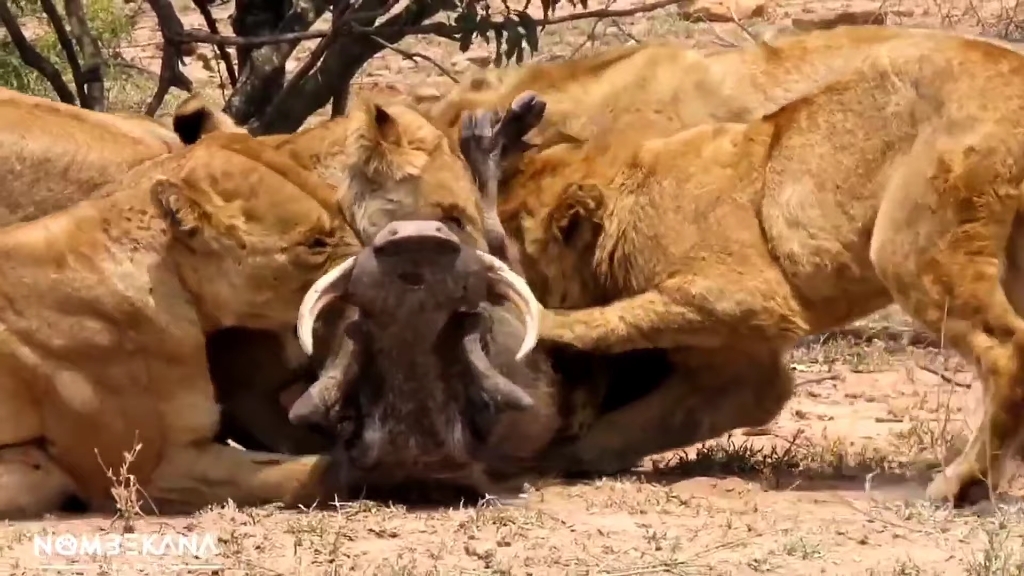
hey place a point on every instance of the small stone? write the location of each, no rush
(481, 58)
(725, 10)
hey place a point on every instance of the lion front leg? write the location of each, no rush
(190, 478)
(705, 311)
(711, 392)
(31, 483)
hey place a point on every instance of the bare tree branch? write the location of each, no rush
(67, 45)
(91, 75)
(342, 62)
(32, 57)
(170, 71)
(262, 74)
(287, 94)
(442, 29)
(417, 56)
(222, 50)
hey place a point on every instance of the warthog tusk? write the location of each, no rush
(323, 291)
(500, 389)
(515, 288)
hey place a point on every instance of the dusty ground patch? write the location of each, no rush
(832, 487)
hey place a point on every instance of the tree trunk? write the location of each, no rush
(92, 56)
(342, 62)
(261, 70)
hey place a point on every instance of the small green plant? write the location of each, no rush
(109, 21)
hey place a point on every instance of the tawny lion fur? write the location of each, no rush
(55, 155)
(106, 309)
(661, 83)
(230, 232)
(726, 243)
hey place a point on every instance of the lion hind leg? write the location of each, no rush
(938, 245)
(190, 478)
(711, 392)
(31, 483)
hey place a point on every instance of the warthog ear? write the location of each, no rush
(379, 145)
(195, 117)
(189, 211)
(576, 211)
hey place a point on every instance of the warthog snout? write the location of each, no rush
(434, 271)
(404, 238)
(422, 255)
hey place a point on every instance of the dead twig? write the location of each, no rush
(746, 31)
(32, 57)
(622, 30)
(942, 375)
(719, 39)
(819, 378)
(171, 75)
(591, 36)
(414, 56)
(222, 49)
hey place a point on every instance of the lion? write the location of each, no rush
(238, 256)
(662, 84)
(725, 243)
(70, 154)
(62, 153)
(107, 307)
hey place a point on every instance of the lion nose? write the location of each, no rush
(412, 246)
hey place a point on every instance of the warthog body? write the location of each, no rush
(432, 392)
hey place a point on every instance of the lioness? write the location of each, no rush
(55, 154)
(661, 84)
(106, 308)
(726, 243)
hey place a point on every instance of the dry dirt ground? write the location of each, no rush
(832, 487)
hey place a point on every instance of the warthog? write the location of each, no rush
(440, 385)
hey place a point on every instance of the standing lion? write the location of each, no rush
(724, 244)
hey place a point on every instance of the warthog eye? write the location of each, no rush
(454, 221)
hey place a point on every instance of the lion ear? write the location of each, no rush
(189, 213)
(379, 145)
(195, 117)
(576, 217)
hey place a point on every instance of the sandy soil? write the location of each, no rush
(832, 487)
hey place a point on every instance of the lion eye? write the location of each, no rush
(317, 243)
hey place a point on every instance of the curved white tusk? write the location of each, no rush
(323, 291)
(515, 288)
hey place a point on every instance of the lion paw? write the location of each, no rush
(568, 461)
(961, 489)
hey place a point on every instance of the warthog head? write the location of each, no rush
(435, 383)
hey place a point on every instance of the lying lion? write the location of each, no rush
(107, 305)
(728, 242)
(63, 153)
(205, 194)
